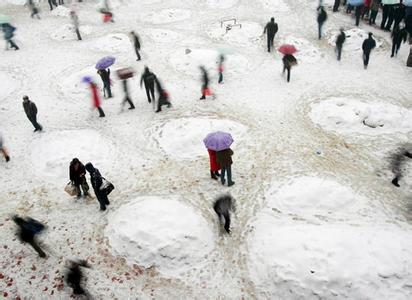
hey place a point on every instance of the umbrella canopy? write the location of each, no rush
(87, 79)
(356, 2)
(287, 49)
(125, 73)
(4, 19)
(391, 1)
(105, 62)
(218, 141)
(407, 2)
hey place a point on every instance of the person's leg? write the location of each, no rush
(268, 42)
(398, 46)
(229, 176)
(319, 30)
(152, 91)
(128, 100)
(13, 45)
(50, 3)
(79, 193)
(37, 248)
(79, 37)
(288, 69)
(384, 16)
(220, 77)
(146, 86)
(390, 18)
(339, 52)
(101, 112)
(213, 175)
(36, 124)
(137, 53)
(203, 92)
(393, 48)
(85, 188)
(222, 175)
(226, 215)
(336, 5)
(109, 89)
(358, 14)
(101, 199)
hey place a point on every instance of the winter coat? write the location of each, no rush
(340, 39)
(289, 60)
(8, 31)
(368, 45)
(223, 204)
(213, 163)
(95, 95)
(136, 41)
(30, 109)
(224, 158)
(147, 77)
(95, 178)
(271, 28)
(399, 35)
(367, 3)
(322, 16)
(375, 4)
(205, 77)
(77, 176)
(105, 75)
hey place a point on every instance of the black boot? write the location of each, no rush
(213, 175)
(395, 182)
(217, 173)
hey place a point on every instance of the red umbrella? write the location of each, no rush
(287, 49)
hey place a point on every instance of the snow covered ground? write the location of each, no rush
(317, 216)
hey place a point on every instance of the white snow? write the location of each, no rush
(72, 85)
(182, 138)
(222, 4)
(164, 36)
(112, 44)
(8, 83)
(274, 5)
(348, 116)
(164, 16)
(61, 11)
(178, 240)
(67, 32)
(53, 151)
(307, 52)
(354, 40)
(248, 35)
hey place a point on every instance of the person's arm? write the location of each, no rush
(34, 107)
(141, 81)
(266, 27)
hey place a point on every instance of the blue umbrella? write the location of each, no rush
(105, 62)
(218, 141)
(356, 2)
(87, 79)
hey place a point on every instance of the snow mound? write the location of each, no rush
(73, 86)
(61, 11)
(317, 198)
(112, 43)
(183, 138)
(164, 35)
(9, 85)
(52, 153)
(165, 233)
(249, 34)
(166, 16)
(307, 52)
(67, 32)
(188, 63)
(222, 4)
(305, 261)
(354, 40)
(348, 116)
(12, 2)
(274, 5)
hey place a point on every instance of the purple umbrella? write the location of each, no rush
(105, 62)
(218, 141)
(87, 79)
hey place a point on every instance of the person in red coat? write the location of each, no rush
(96, 99)
(214, 167)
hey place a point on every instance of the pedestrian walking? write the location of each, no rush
(322, 17)
(220, 67)
(163, 97)
(271, 29)
(74, 276)
(126, 95)
(51, 3)
(96, 99)
(398, 35)
(77, 174)
(75, 20)
(339, 42)
(136, 44)
(336, 5)
(33, 9)
(8, 31)
(30, 109)
(374, 8)
(368, 45)
(366, 9)
(288, 61)
(148, 78)
(205, 83)
(224, 160)
(28, 229)
(214, 167)
(105, 76)
(99, 186)
(222, 206)
(358, 14)
(3, 149)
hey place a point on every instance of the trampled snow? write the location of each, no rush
(112, 44)
(67, 32)
(247, 35)
(177, 241)
(164, 16)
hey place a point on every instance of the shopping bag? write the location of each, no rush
(107, 187)
(71, 189)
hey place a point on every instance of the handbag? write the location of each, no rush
(107, 187)
(71, 189)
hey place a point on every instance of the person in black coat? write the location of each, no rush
(78, 177)
(28, 229)
(163, 97)
(336, 6)
(288, 61)
(8, 31)
(358, 14)
(97, 182)
(136, 44)
(205, 83)
(398, 35)
(222, 206)
(30, 109)
(367, 46)
(148, 78)
(126, 95)
(322, 17)
(105, 76)
(339, 42)
(74, 276)
(271, 29)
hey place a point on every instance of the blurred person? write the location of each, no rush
(148, 78)
(214, 167)
(366, 9)
(30, 109)
(368, 45)
(105, 76)
(75, 21)
(222, 206)
(220, 68)
(322, 17)
(398, 35)
(96, 99)
(339, 43)
(163, 96)
(51, 3)
(358, 13)
(136, 44)
(8, 31)
(205, 83)
(97, 183)
(28, 228)
(126, 95)
(288, 61)
(224, 160)
(3, 149)
(336, 5)
(271, 29)
(374, 8)
(74, 276)
(77, 174)
(33, 8)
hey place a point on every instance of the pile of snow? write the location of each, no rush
(112, 43)
(52, 152)
(160, 232)
(249, 34)
(67, 32)
(307, 52)
(183, 138)
(12, 2)
(60, 11)
(354, 40)
(222, 4)
(73, 86)
(164, 35)
(166, 16)
(8, 85)
(274, 5)
(348, 116)
(188, 62)
(307, 261)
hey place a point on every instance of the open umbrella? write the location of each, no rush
(87, 79)
(356, 2)
(287, 49)
(105, 62)
(218, 141)
(391, 2)
(4, 19)
(125, 73)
